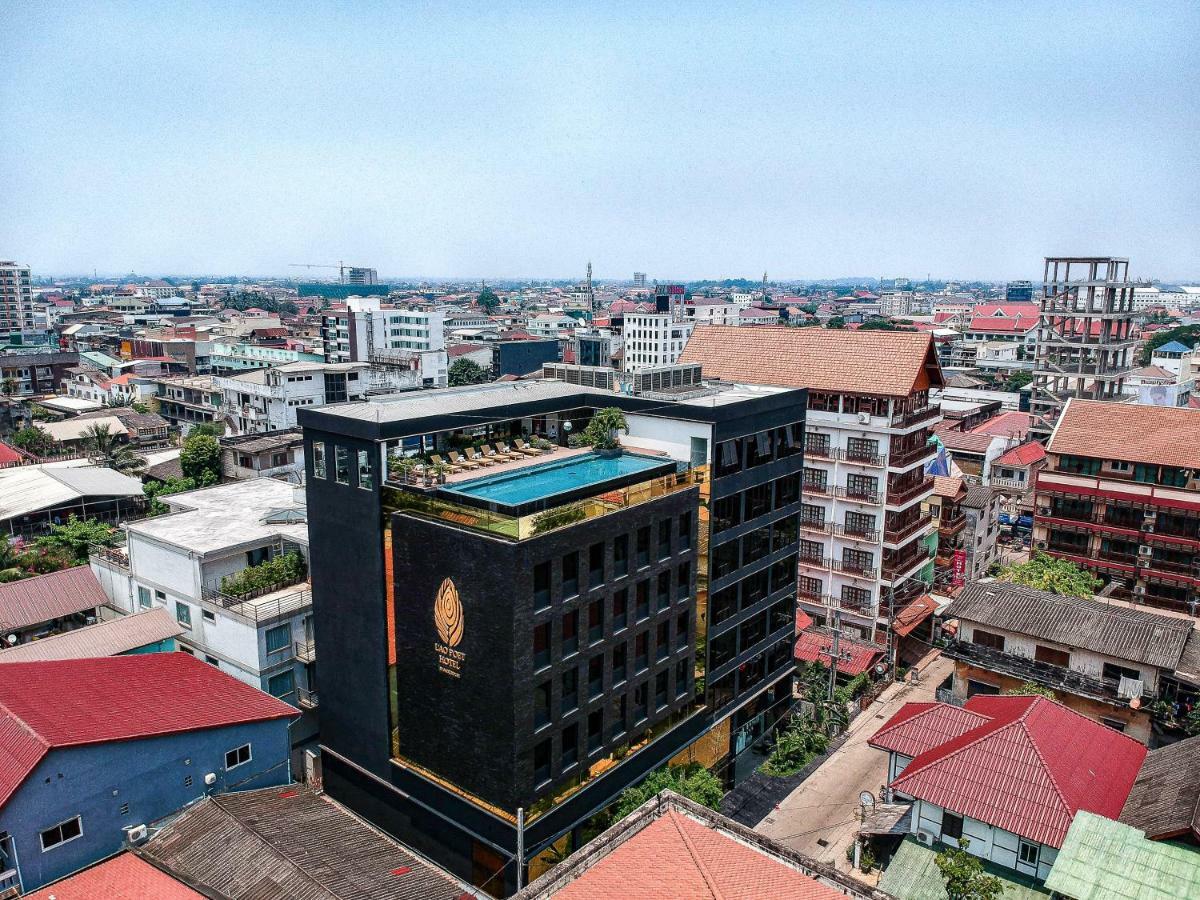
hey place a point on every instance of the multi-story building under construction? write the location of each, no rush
(1085, 340)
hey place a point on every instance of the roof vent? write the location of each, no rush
(287, 516)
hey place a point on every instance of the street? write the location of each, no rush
(819, 818)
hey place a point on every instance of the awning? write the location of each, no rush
(887, 818)
(814, 645)
(913, 615)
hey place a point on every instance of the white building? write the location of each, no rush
(366, 332)
(895, 304)
(16, 297)
(178, 562)
(653, 340)
(712, 312)
(267, 399)
(551, 325)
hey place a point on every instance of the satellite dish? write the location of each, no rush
(880, 668)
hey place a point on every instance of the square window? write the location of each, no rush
(238, 756)
(61, 833)
(279, 638)
(952, 826)
(620, 609)
(183, 614)
(282, 684)
(570, 574)
(208, 615)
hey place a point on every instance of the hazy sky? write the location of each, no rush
(811, 140)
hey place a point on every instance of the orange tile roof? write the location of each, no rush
(1128, 431)
(948, 486)
(1022, 455)
(676, 856)
(121, 877)
(890, 363)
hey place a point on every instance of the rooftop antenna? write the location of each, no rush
(764, 288)
(590, 297)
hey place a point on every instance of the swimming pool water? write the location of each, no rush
(556, 477)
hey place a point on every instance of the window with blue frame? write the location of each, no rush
(278, 638)
(282, 684)
(183, 614)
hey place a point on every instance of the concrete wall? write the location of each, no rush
(148, 778)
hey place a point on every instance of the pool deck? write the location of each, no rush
(513, 465)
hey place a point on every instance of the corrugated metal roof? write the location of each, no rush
(1028, 770)
(291, 844)
(109, 638)
(1106, 860)
(1165, 800)
(1116, 631)
(918, 727)
(29, 489)
(32, 601)
(814, 645)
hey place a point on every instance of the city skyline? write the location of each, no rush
(520, 141)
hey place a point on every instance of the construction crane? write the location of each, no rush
(341, 267)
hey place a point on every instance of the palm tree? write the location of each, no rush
(107, 449)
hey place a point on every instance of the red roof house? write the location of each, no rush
(1023, 764)
(814, 645)
(121, 877)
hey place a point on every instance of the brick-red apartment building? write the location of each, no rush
(1121, 495)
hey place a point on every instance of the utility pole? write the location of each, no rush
(835, 654)
(520, 847)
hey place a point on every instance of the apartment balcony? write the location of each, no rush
(895, 568)
(905, 532)
(10, 883)
(860, 495)
(306, 699)
(820, 451)
(814, 597)
(863, 457)
(113, 558)
(306, 651)
(854, 569)
(819, 489)
(948, 527)
(820, 563)
(263, 605)
(901, 496)
(902, 459)
(1058, 678)
(867, 535)
(816, 527)
(1189, 568)
(913, 417)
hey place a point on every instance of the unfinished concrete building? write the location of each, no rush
(1085, 342)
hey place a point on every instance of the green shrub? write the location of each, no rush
(557, 518)
(795, 747)
(287, 568)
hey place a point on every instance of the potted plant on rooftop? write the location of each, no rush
(602, 431)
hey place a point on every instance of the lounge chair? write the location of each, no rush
(502, 451)
(463, 463)
(522, 447)
(478, 458)
(438, 461)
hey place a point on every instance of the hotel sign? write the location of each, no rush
(448, 620)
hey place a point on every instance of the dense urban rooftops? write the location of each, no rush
(1155, 435)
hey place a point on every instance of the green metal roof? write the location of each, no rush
(100, 359)
(912, 874)
(1106, 860)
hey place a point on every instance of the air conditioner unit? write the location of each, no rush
(1145, 551)
(210, 779)
(926, 837)
(1149, 515)
(135, 835)
(864, 418)
(1139, 590)
(1148, 527)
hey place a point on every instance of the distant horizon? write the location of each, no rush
(512, 138)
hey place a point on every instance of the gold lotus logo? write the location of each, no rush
(448, 614)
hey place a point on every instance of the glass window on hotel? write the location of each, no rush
(785, 532)
(620, 555)
(570, 690)
(364, 470)
(685, 531)
(725, 559)
(570, 574)
(541, 762)
(681, 677)
(341, 465)
(643, 546)
(664, 538)
(570, 632)
(783, 574)
(726, 512)
(663, 593)
(318, 459)
(595, 565)
(541, 586)
(789, 439)
(541, 704)
(541, 645)
(758, 501)
(787, 490)
(729, 457)
(760, 449)
(570, 745)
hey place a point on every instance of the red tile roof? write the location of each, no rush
(68, 703)
(10, 454)
(1007, 424)
(121, 877)
(1007, 310)
(1160, 435)
(814, 646)
(678, 857)
(1028, 769)
(889, 363)
(948, 486)
(918, 727)
(914, 614)
(1022, 455)
(45, 597)
(1003, 326)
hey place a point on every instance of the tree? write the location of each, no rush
(77, 537)
(1191, 722)
(200, 459)
(965, 877)
(1031, 689)
(1018, 380)
(464, 371)
(1058, 576)
(33, 440)
(692, 781)
(601, 431)
(487, 299)
(155, 489)
(1185, 334)
(795, 747)
(109, 449)
(836, 322)
(8, 387)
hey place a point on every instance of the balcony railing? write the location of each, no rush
(1058, 678)
(814, 562)
(816, 527)
(307, 699)
(896, 496)
(819, 489)
(306, 651)
(261, 605)
(901, 458)
(427, 504)
(112, 557)
(860, 495)
(904, 532)
(952, 525)
(863, 457)
(854, 569)
(912, 417)
(10, 880)
(815, 597)
(870, 535)
(893, 568)
(819, 451)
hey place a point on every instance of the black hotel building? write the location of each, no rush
(508, 646)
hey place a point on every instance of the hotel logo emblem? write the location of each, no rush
(448, 619)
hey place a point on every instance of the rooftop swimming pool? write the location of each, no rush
(550, 479)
